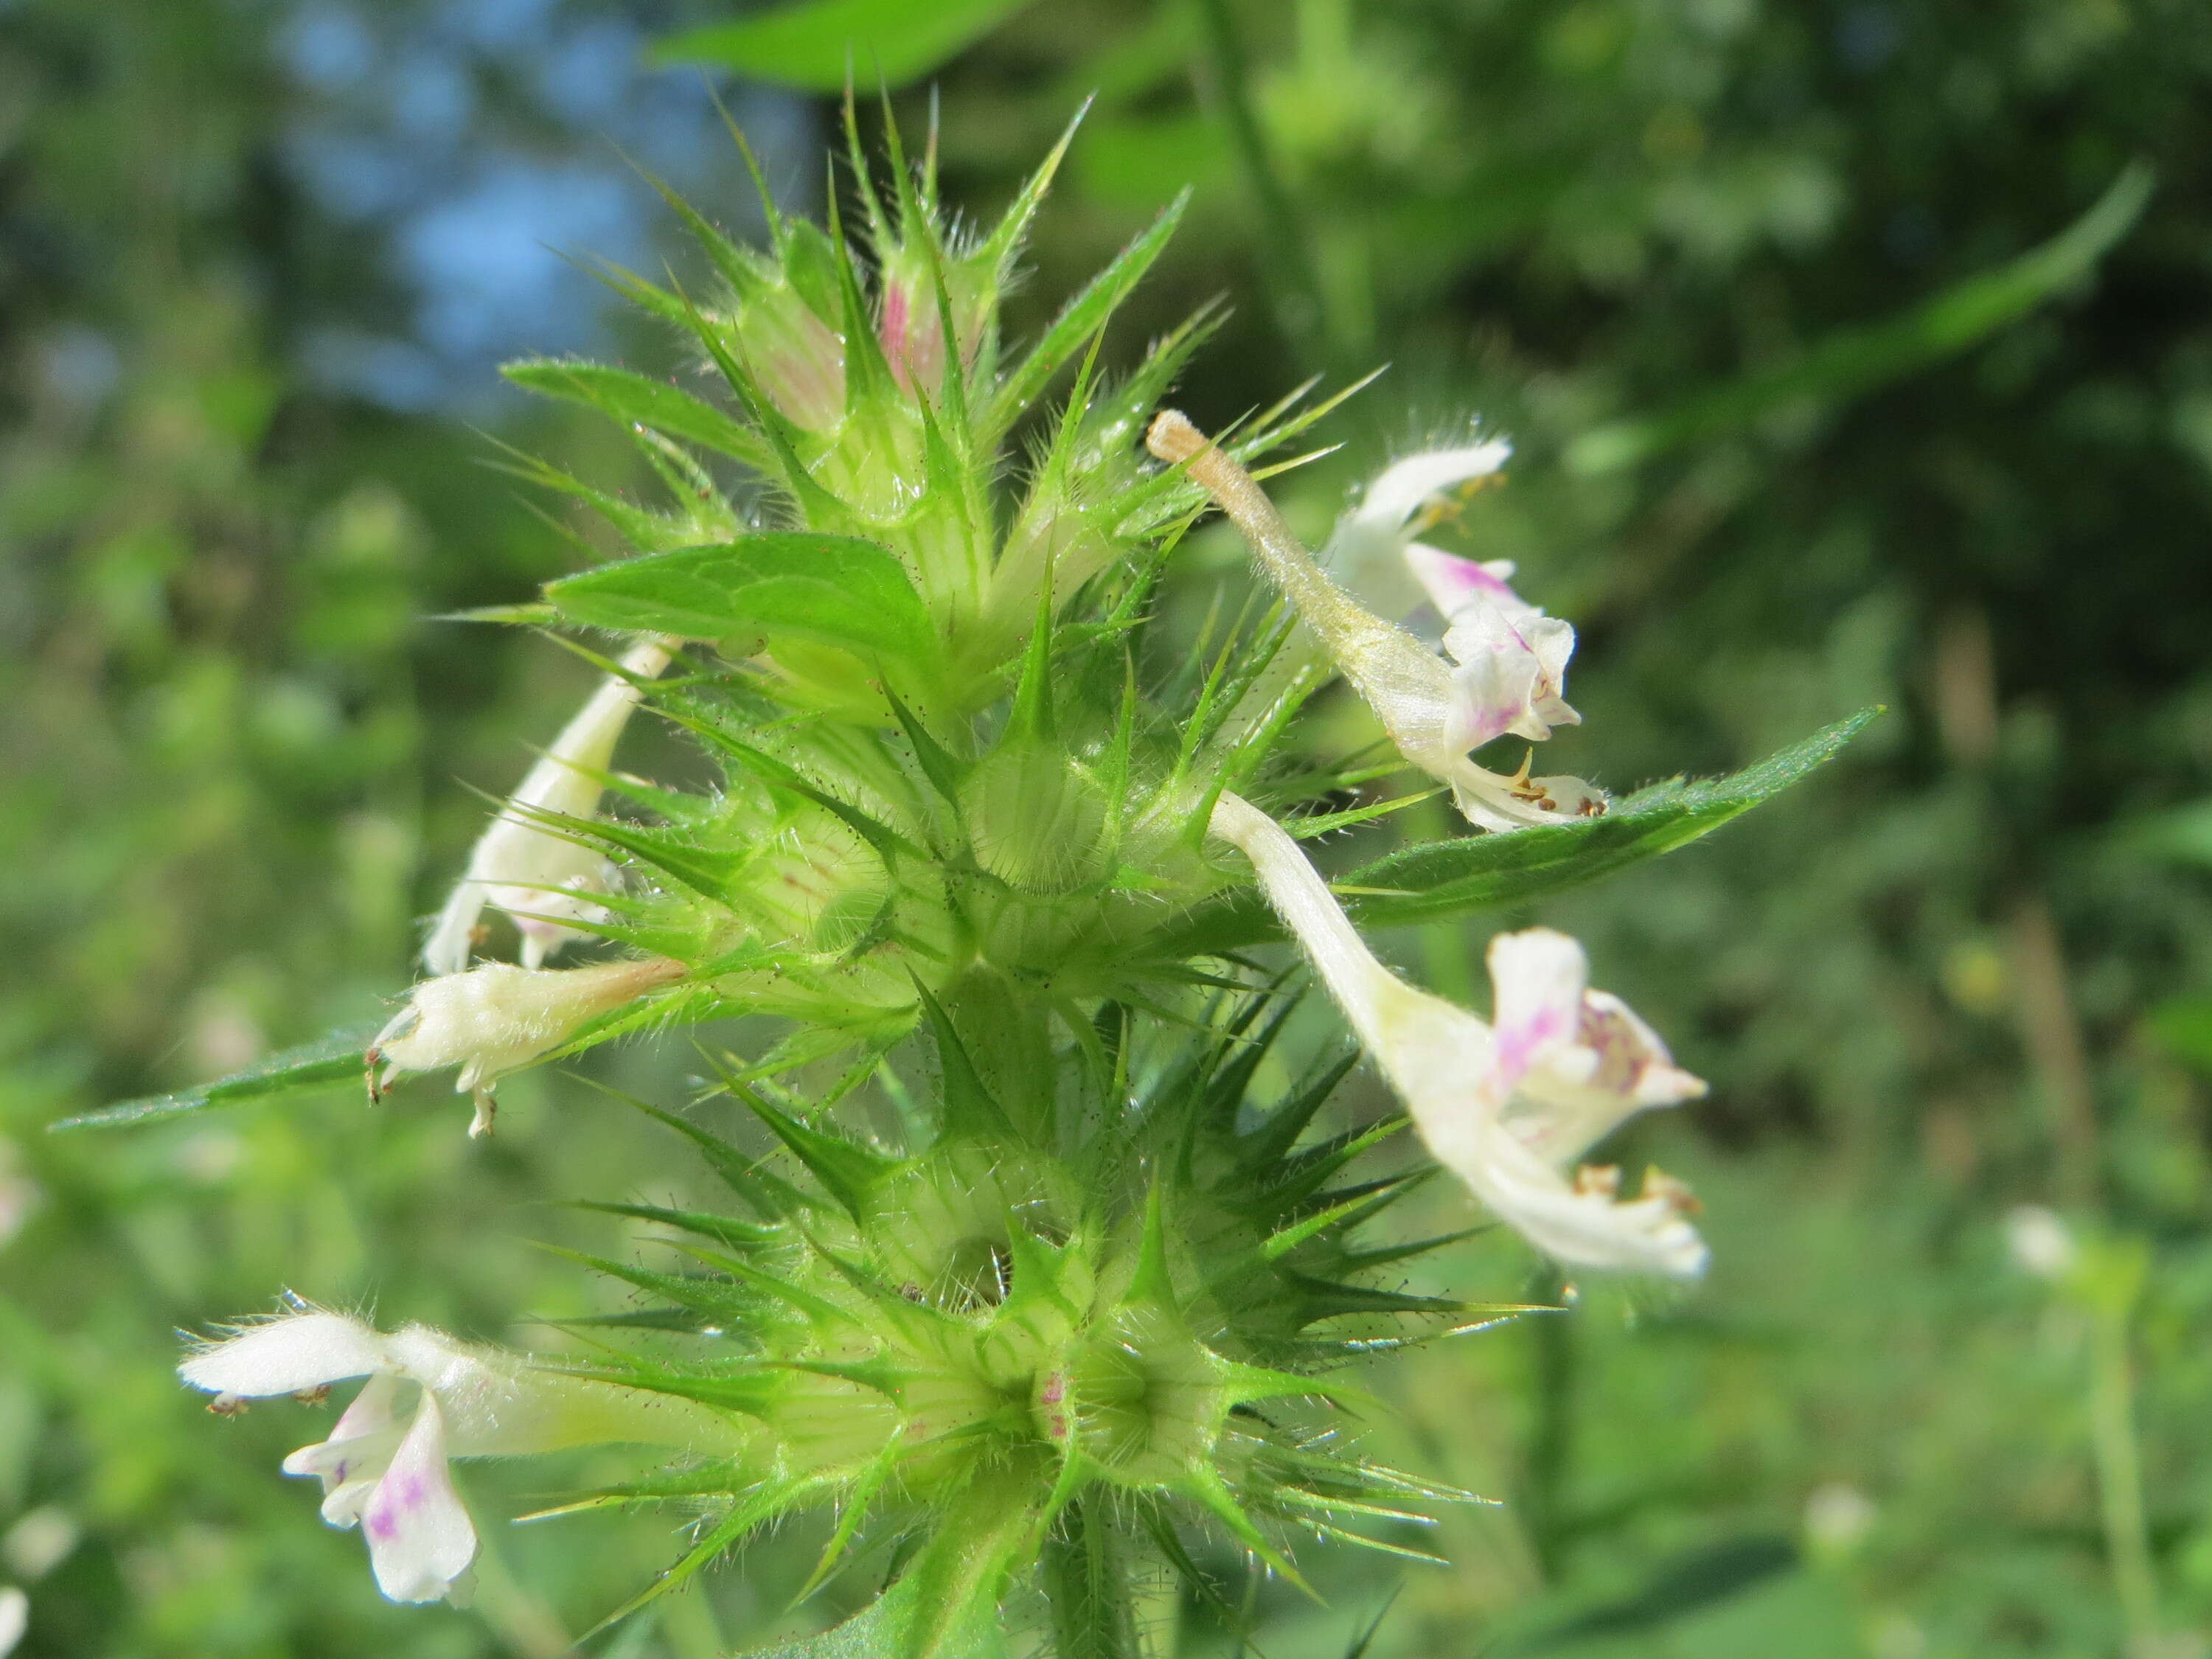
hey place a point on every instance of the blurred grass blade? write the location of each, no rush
(1452, 877)
(818, 45)
(1688, 1585)
(1857, 360)
(327, 1061)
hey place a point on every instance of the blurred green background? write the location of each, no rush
(1785, 449)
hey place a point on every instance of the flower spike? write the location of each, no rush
(1508, 671)
(1508, 1110)
(533, 874)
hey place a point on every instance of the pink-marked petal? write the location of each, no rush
(1452, 583)
(1633, 1059)
(1573, 1063)
(361, 1443)
(420, 1537)
(1538, 977)
(1511, 673)
(284, 1356)
(343, 1504)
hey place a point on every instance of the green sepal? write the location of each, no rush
(936, 762)
(1269, 1143)
(740, 1170)
(970, 1110)
(848, 1171)
(1211, 1493)
(820, 1310)
(705, 1294)
(771, 1498)
(1083, 316)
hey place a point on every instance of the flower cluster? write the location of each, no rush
(979, 847)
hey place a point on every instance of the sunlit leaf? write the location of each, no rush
(834, 590)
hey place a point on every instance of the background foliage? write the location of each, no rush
(257, 261)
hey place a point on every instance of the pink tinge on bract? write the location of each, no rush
(913, 335)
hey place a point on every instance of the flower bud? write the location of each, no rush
(537, 875)
(912, 325)
(798, 359)
(497, 1019)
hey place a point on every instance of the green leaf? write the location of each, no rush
(325, 1063)
(821, 45)
(833, 590)
(634, 398)
(1857, 359)
(1475, 873)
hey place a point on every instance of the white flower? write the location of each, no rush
(14, 1617)
(2040, 1242)
(496, 1018)
(1838, 1518)
(1509, 660)
(40, 1541)
(1510, 1110)
(19, 1195)
(428, 1399)
(538, 877)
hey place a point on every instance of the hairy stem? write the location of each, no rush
(1087, 1583)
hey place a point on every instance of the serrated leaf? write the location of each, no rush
(325, 1063)
(820, 46)
(833, 590)
(1452, 877)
